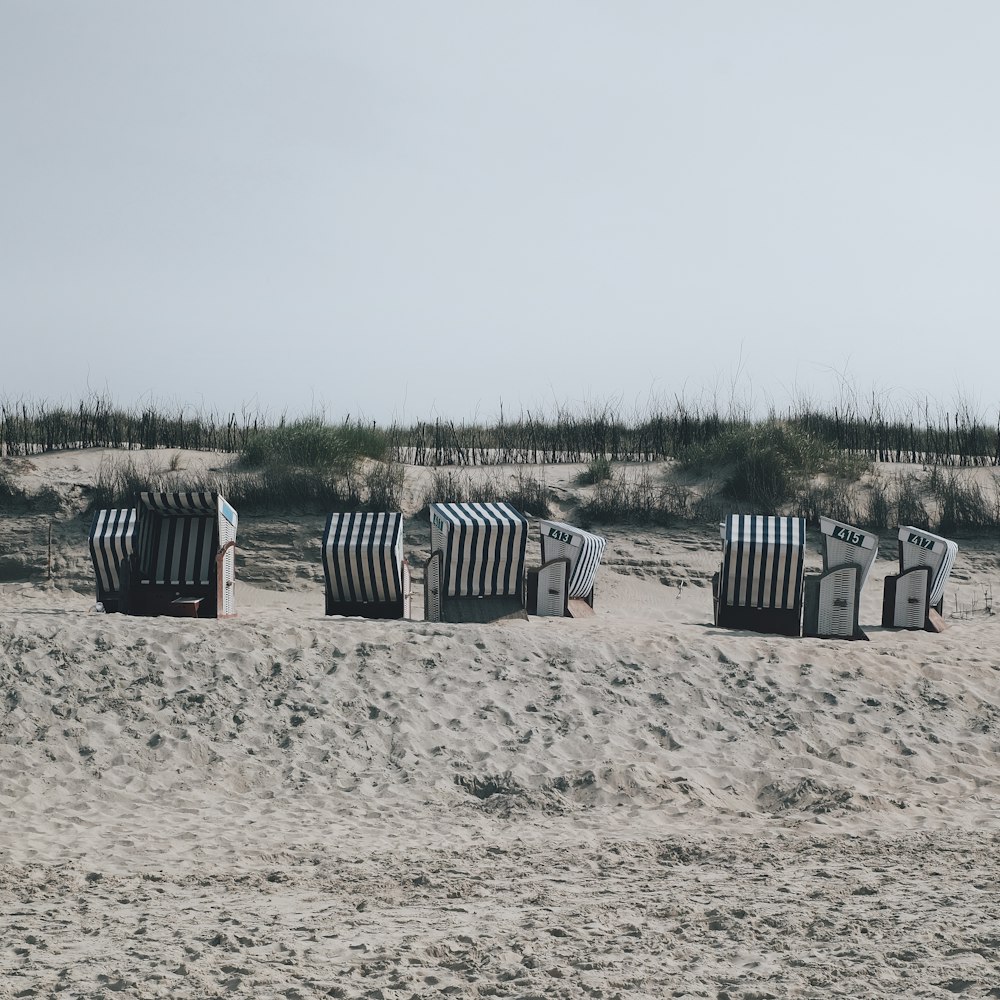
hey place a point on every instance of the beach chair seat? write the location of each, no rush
(760, 584)
(183, 561)
(919, 548)
(582, 550)
(832, 599)
(476, 569)
(111, 543)
(363, 565)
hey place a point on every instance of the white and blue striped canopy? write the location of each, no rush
(583, 550)
(483, 546)
(762, 562)
(363, 557)
(178, 536)
(920, 548)
(111, 543)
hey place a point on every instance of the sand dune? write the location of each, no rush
(636, 805)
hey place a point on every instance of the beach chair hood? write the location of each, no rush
(179, 535)
(843, 543)
(918, 547)
(762, 562)
(363, 557)
(583, 549)
(483, 548)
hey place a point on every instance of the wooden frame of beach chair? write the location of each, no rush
(476, 569)
(184, 559)
(833, 599)
(583, 550)
(363, 565)
(918, 549)
(111, 542)
(759, 587)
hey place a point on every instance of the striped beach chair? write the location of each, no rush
(914, 598)
(564, 584)
(184, 557)
(111, 543)
(366, 574)
(833, 599)
(760, 585)
(476, 569)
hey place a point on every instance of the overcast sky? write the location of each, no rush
(414, 209)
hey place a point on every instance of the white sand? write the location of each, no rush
(286, 804)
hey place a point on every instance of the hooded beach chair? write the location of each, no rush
(366, 574)
(111, 544)
(476, 569)
(833, 599)
(914, 598)
(184, 557)
(564, 584)
(760, 584)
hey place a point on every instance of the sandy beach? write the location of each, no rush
(634, 805)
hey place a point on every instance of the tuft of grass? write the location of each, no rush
(764, 466)
(620, 500)
(120, 480)
(312, 444)
(382, 487)
(309, 465)
(877, 510)
(522, 491)
(273, 488)
(9, 490)
(528, 495)
(834, 500)
(963, 504)
(908, 501)
(598, 471)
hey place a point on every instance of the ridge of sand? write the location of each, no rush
(635, 805)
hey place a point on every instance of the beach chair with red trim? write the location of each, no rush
(183, 562)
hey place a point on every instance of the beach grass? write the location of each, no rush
(806, 460)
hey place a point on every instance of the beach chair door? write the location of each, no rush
(838, 602)
(432, 588)
(906, 599)
(553, 579)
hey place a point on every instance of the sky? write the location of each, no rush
(409, 209)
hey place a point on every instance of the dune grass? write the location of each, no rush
(949, 438)
(271, 489)
(311, 443)
(619, 499)
(764, 465)
(521, 490)
(806, 460)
